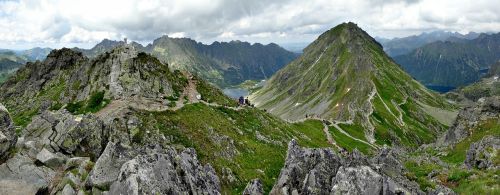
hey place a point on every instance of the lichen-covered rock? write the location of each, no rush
(20, 175)
(483, 154)
(68, 190)
(8, 135)
(357, 180)
(254, 187)
(164, 171)
(60, 131)
(50, 159)
(107, 167)
(322, 171)
(441, 190)
(307, 171)
(388, 162)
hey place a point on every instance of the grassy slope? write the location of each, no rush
(348, 143)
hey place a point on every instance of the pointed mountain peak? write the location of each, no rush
(346, 30)
(349, 34)
(345, 77)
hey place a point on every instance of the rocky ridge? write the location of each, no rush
(57, 149)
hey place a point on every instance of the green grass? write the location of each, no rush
(458, 175)
(95, 103)
(418, 173)
(349, 143)
(354, 130)
(24, 118)
(483, 182)
(211, 94)
(312, 129)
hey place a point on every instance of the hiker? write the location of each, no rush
(241, 101)
(247, 102)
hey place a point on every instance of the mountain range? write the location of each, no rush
(452, 64)
(221, 63)
(399, 46)
(11, 60)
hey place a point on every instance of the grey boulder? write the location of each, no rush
(107, 167)
(20, 175)
(164, 171)
(50, 159)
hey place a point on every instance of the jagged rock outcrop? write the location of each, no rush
(60, 131)
(386, 160)
(8, 137)
(66, 76)
(164, 171)
(307, 171)
(483, 154)
(107, 167)
(322, 171)
(470, 117)
(254, 187)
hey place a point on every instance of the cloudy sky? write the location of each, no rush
(83, 23)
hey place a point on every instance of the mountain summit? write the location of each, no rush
(346, 78)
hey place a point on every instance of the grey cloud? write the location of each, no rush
(249, 20)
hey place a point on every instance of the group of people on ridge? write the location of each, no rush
(244, 101)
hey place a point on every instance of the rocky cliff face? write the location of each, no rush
(307, 171)
(164, 171)
(8, 135)
(66, 77)
(57, 151)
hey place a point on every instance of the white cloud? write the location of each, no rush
(76, 22)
